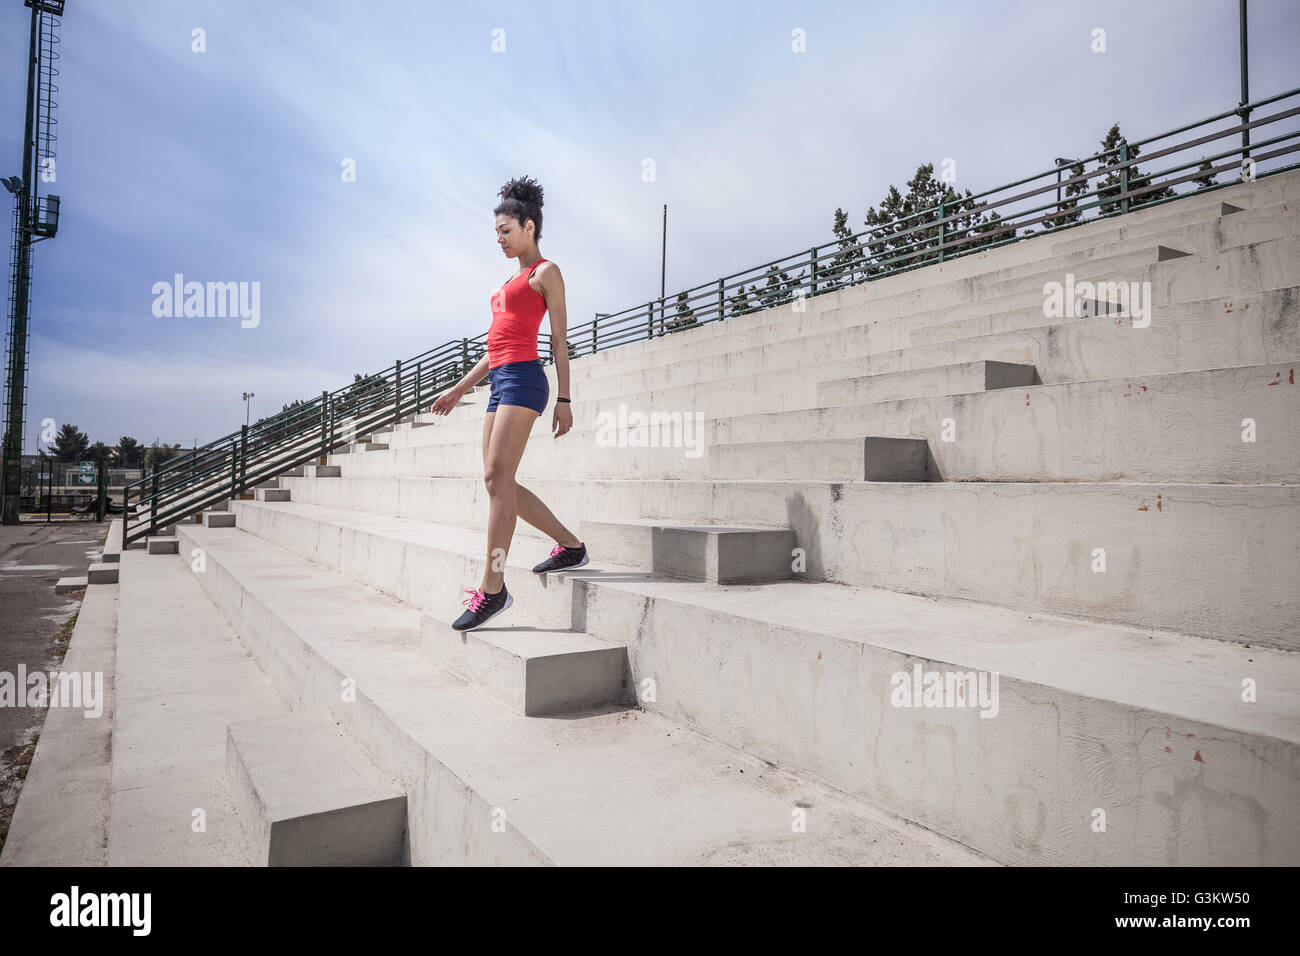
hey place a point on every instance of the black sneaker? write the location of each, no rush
(482, 608)
(563, 559)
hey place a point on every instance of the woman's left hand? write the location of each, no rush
(562, 419)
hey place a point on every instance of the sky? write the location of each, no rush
(226, 164)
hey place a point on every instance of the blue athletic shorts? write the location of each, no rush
(519, 383)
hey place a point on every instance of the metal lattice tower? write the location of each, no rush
(36, 218)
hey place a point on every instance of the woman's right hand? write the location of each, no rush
(446, 401)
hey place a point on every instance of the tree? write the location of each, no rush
(129, 453)
(1206, 179)
(780, 288)
(683, 316)
(738, 301)
(99, 452)
(1108, 190)
(71, 443)
(160, 454)
(845, 263)
(1068, 212)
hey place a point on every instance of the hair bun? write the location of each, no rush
(523, 189)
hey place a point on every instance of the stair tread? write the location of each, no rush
(599, 787)
(1181, 675)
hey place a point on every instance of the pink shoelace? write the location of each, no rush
(557, 549)
(476, 598)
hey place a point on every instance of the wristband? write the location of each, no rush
(563, 400)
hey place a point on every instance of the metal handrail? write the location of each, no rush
(227, 466)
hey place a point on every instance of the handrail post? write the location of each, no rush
(419, 393)
(397, 392)
(234, 467)
(126, 511)
(722, 302)
(153, 507)
(464, 356)
(943, 231)
(813, 252)
(595, 323)
(243, 458)
(325, 412)
(1123, 178)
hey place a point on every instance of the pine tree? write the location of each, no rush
(1108, 190)
(70, 444)
(841, 269)
(1068, 212)
(684, 314)
(129, 453)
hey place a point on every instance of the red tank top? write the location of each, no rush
(517, 310)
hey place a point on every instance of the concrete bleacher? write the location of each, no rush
(920, 471)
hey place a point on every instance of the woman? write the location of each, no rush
(518, 398)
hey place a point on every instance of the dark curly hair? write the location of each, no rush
(521, 199)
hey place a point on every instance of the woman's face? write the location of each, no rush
(512, 239)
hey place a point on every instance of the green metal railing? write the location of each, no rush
(1033, 206)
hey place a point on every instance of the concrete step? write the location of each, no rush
(307, 794)
(752, 387)
(323, 471)
(955, 379)
(267, 483)
(181, 678)
(763, 326)
(102, 573)
(695, 552)
(64, 585)
(220, 519)
(834, 459)
(162, 545)
(272, 494)
(742, 665)
(489, 786)
(968, 298)
(534, 671)
(112, 542)
(1261, 328)
(1189, 426)
(1206, 559)
(1084, 717)
(1145, 428)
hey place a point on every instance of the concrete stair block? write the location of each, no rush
(102, 574)
(306, 794)
(64, 585)
(596, 787)
(272, 494)
(294, 472)
(324, 471)
(713, 553)
(267, 483)
(833, 459)
(957, 379)
(535, 671)
(220, 519)
(162, 545)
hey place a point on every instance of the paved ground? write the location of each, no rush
(35, 626)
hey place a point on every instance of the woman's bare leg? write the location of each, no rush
(505, 440)
(533, 510)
